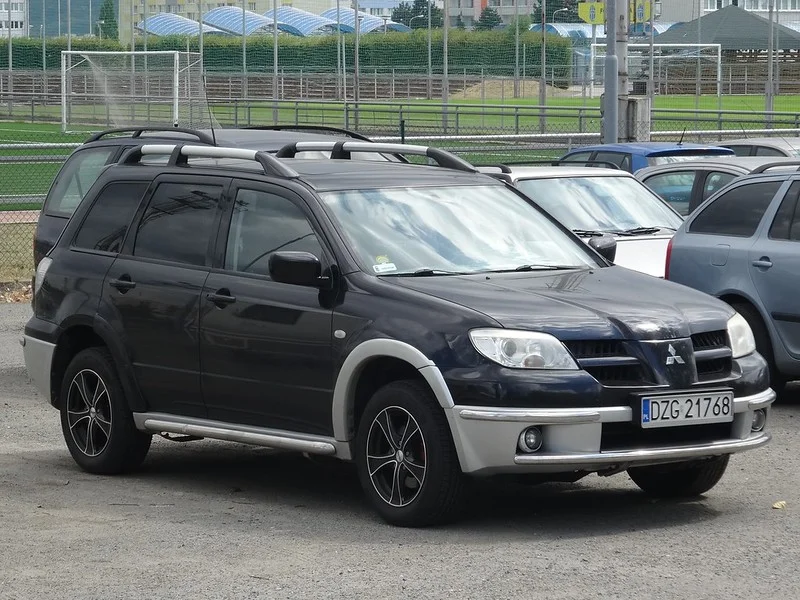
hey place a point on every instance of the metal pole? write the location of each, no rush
(69, 24)
(63, 92)
(44, 46)
(176, 74)
(610, 82)
(244, 49)
(651, 92)
(339, 74)
(356, 65)
(445, 71)
(543, 76)
(697, 88)
(430, 65)
(770, 65)
(59, 17)
(777, 49)
(90, 18)
(516, 48)
(622, 64)
(275, 62)
(200, 35)
(592, 58)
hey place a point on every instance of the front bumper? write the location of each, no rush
(486, 438)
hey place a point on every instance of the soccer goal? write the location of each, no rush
(132, 89)
(676, 68)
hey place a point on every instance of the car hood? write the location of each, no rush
(610, 302)
(646, 254)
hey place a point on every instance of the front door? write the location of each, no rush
(775, 269)
(151, 293)
(266, 346)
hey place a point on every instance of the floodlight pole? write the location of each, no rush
(200, 35)
(275, 62)
(69, 25)
(697, 88)
(356, 65)
(339, 73)
(59, 17)
(769, 102)
(610, 81)
(516, 48)
(244, 50)
(10, 61)
(430, 64)
(651, 93)
(543, 74)
(445, 73)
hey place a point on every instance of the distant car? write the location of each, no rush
(687, 185)
(743, 246)
(777, 146)
(637, 155)
(594, 201)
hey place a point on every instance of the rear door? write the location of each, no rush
(775, 266)
(151, 294)
(675, 188)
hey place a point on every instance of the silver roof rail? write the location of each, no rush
(343, 149)
(180, 153)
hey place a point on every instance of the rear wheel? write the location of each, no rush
(680, 480)
(405, 457)
(95, 419)
(763, 344)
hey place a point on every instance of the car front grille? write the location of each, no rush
(622, 436)
(712, 355)
(609, 362)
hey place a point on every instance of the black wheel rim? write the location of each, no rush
(396, 456)
(89, 412)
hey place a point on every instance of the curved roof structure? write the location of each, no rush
(170, 24)
(368, 22)
(229, 19)
(583, 31)
(308, 23)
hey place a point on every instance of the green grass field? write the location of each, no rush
(16, 255)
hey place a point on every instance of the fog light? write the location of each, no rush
(759, 419)
(530, 440)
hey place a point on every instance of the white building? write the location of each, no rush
(689, 10)
(16, 20)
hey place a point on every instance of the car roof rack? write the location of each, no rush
(329, 129)
(775, 165)
(343, 150)
(556, 162)
(136, 132)
(180, 153)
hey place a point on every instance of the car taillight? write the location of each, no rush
(669, 256)
(41, 272)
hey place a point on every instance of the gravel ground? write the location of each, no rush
(214, 520)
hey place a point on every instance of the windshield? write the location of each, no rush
(451, 230)
(676, 158)
(608, 204)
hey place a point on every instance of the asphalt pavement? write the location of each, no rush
(215, 520)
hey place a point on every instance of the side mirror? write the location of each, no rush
(296, 268)
(605, 246)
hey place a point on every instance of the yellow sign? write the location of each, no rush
(639, 11)
(593, 13)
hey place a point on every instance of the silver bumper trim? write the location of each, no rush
(757, 401)
(38, 362)
(548, 416)
(646, 455)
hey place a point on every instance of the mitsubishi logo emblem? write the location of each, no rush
(673, 358)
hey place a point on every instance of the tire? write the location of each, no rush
(763, 344)
(411, 476)
(680, 480)
(95, 419)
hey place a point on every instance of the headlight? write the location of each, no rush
(522, 349)
(741, 336)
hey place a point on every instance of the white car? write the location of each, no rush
(594, 201)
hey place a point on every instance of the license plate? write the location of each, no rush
(688, 409)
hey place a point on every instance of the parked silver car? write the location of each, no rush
(743, 246)
(768, 146)
(595, 201)
(685, 186)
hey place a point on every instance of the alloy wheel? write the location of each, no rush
(89, 412)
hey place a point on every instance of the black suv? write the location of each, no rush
(428, 323)
(85, 164)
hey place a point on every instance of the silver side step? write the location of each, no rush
(244, 434)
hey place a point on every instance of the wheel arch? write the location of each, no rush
(401, 358)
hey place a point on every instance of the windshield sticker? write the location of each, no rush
(386, 267)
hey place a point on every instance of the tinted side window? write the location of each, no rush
(741, 150)
(766, 151)
(264, 223)
(577, 157)
(675, 188)
(107, 222)
(178, 224)
(738, 211)
(617, 158)
(716, 180)
(786, 224)
(76, 177)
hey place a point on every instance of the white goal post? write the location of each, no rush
(133, 88)
(661, 52)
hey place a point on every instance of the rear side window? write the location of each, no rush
(76, 177)
(675, 188)
(767, 151)
(737, 212)
(178, 224)
(741, 150)
(107, 222)
(615, 158)
(577, 157)
(716, 180)
(786, 225)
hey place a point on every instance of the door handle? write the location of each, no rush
(221, 297)
(763, 263)
(123, 284)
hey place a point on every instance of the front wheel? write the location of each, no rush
(680, 480)
(405, 457)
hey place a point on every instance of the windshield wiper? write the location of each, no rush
(533, 268)
(589, 232)
(645, 230)
(425, 272)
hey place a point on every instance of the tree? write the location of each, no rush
(109, 29)
(568, 16)
(489, 19)
(406, 11)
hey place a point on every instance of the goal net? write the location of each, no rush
(133, 89)
(676, 68)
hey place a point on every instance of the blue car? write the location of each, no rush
(633, 156)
